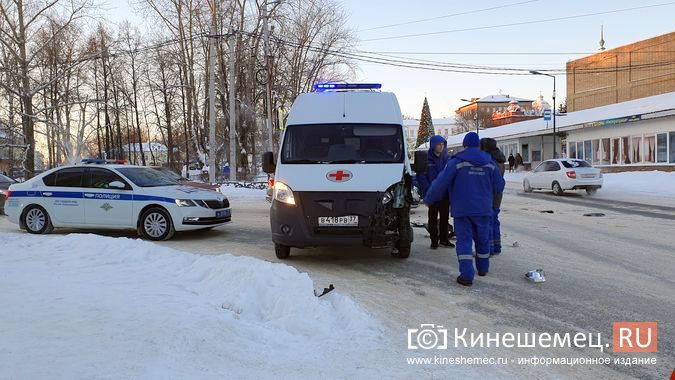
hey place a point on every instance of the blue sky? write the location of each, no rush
(444, 90)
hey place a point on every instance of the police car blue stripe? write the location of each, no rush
(92, 195)
(138, 197)
(62, 194)
(26, 193)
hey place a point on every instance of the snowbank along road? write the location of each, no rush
(599, 269)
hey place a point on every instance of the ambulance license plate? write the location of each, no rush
(339, 221)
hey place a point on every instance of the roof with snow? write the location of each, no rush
(647, 108)
(501, 99)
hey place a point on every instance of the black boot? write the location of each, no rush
(464, 282)
(434, 245)
(447, 244)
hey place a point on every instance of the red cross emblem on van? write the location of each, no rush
(339, 175)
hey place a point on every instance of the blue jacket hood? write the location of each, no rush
(435, 140)
(474, 156)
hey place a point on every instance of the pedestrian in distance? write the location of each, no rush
(470, 179)
(439, 210)
(489, 146)
(512, 160)
(519, 161)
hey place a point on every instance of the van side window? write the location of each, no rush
(69, 177)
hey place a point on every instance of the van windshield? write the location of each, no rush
(343, 144)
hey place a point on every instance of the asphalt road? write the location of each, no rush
(599, 269)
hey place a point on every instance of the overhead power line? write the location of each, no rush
(520, 23)
(449, 15)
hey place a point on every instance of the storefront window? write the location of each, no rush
(580, 150)
(596, 151)
(671, 142)
(636, 149)
(604, 152)
(526, 153)
(662, 147)
(650, 149)
(616, 151)
(536, 155)
(588, 151)
(573, 150)
(625, 150)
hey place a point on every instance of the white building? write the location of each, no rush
(634, 135)
(442, 126)
(158, 155)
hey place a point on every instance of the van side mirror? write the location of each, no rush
(119, 185)
(268, 164)
(420, 163)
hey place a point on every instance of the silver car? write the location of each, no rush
(564, 174)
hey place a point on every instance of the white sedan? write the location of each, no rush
(113, 197)
(563, 174)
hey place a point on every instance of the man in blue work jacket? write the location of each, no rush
(471, 179)
(437, 158)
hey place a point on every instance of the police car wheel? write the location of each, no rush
(36, 220)
(156, 225)
(282, 251)
(557, 190)
(527, 187)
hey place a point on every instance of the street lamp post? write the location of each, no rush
(533, 72)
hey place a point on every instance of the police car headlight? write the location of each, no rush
(387, 197)
(283, 193)
(185, 203)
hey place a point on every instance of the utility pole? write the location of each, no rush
(233, 111)
(534, 72)
(212, 100)
(268, 81)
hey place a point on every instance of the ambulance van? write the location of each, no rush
(343, 176)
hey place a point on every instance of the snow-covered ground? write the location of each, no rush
(632, 186)
(242, 193)
(86, 306)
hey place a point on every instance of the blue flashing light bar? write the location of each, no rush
(346, 86)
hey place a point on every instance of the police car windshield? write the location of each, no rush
(342, 144)
(146, 177)
(5, 179)
(169, 173)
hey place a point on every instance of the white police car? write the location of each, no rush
(113, 197)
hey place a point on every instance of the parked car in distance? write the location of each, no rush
(564, 174)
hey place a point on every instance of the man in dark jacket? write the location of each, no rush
(436, 161)
(512, 160)
(471, 179)
(489, 146)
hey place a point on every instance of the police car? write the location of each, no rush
(113, 196)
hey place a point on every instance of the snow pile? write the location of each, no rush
(641, 183)
(85, 306)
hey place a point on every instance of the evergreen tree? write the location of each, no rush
(426, 129)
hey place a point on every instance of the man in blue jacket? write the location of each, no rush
(436, 161)
(471, 179)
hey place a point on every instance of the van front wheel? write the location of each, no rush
(282, 251)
